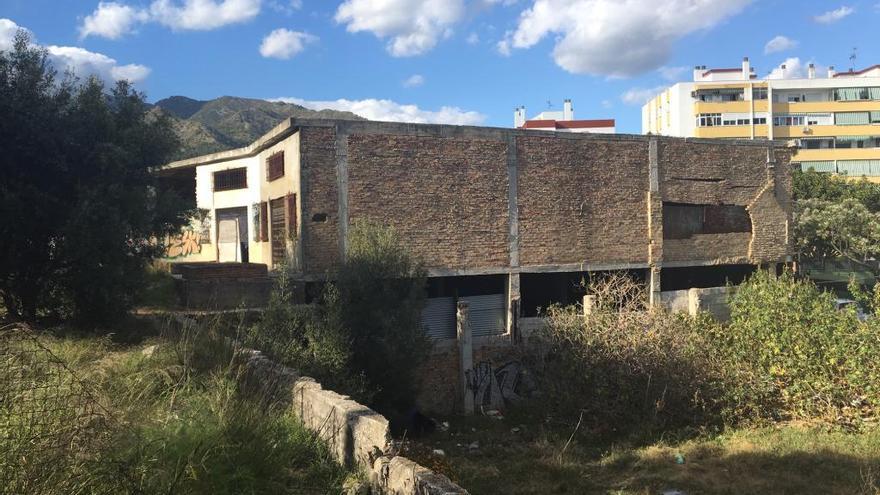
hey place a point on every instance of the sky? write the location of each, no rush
(445, 61)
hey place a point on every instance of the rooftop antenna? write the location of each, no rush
(549, 104)
(852, 59)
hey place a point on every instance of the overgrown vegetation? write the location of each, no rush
(175, 418)
(78, 204)
(366, 338)
(786, 353)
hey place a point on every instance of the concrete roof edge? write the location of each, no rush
(290, 125)
(277, 133)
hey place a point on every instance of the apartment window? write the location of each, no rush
(708, 119)
(856, 94)
(759, 93)
(852, 118)
(728, 122)
(227, 180)
(275, 166)
(875, 117)
(816, 143)
(789, 120)
(760, 120)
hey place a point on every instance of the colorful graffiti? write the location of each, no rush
(186, 243)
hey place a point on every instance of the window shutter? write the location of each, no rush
(264, 221)
(291, 214)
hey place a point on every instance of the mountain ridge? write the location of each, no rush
(228, 122)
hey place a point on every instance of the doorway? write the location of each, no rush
(232, 235)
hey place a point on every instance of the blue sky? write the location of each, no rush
(455, 61)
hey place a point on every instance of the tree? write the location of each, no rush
(79, 207)
(844, 229)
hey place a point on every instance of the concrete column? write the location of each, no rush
(655, 223)
(654, 286)
(694, 301)
(589, 304)
(465, 356)
(513, 306)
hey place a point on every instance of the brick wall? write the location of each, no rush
(582, 200)
(447, 196)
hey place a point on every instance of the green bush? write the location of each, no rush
(786, 353)
(630, 367)
(377, 300)
(820, 361)
(365, 338)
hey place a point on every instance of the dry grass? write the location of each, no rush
(785, 459)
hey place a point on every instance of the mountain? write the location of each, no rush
(229, 122)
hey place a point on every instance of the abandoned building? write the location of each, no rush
(509, 220)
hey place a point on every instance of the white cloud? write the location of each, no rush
(284, 44)
(413, 26)
(640, 96)
(8, 29)
(834, 15)
(286, 7)
(672, 73)
(203, 14)
(111, 20)
(607, 104)
(780, 44)
(794, 69)
(617, 38)
(390, 111)
(85, 63)
(79, 60)
(414, 81)
(473, 39)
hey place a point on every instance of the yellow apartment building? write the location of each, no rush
(834, 118)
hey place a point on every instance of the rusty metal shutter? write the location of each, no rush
(438, 318)
(487, 314)
(264, 221)
(278, 230)
(291, 214)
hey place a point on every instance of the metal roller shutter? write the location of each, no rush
(819, 166)
(438, 318)
(487, 314)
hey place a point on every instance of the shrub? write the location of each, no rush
(628, 366)
(377, 300)
(820, 361)
(366, 338)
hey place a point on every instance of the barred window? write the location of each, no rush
(227, 180)
(275, 166)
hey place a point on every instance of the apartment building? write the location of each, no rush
(833, 118)
(561, 121)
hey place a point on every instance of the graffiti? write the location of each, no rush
(187, 243)
(493, 388)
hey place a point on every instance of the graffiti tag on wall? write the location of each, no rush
(186, 243)
(493, 387)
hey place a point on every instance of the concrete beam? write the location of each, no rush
(342, 186)
(512, 207)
